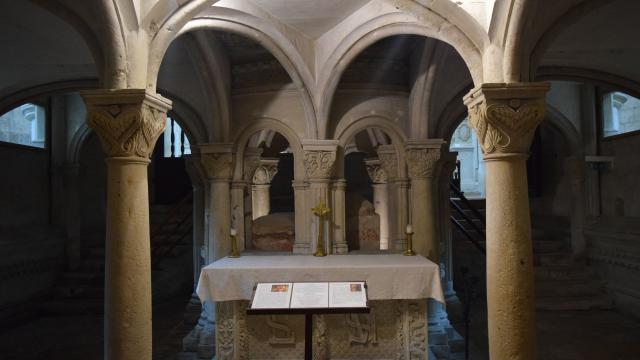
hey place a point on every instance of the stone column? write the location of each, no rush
(217, 162)
(250, 164)
(302, 243)
(422, 159)
(389, 162)
(339, 217)
(319, 157)
(262, 178)
(194, 170)
(380, 198)
(505, 117)
(128, 123)
(238, 191)
(575, 168)
(73, 222)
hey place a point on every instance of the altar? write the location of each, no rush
(396, 327)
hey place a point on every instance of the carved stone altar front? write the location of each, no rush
(395, 329)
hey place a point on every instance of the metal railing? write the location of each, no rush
(172, 232)
(478, 217)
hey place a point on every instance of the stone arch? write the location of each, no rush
(285, 52)
(244, 135)
(452, 115)
(379, 28)
(558, 121)
(345, 132)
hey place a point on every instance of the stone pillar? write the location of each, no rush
(302, 243)
(73, 222)
(380, 198)
(128, 123)
(389, 162)
(238, 191)
(262, 178)
(339, 217)
(505, 117)
(422, 159)
(319, 157)
(575, 168)
(217, 162)
(194, 170)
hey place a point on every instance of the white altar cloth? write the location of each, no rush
(388, 276)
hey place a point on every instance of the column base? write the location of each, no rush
(444, 341)
(200, 342)
(301, 248)
(340, 249)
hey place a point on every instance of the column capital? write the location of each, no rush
(251, 162)
(388, 156)
(505, 116)
(127, 121)
(319, 157)
(422, 157)
(217, 160)
(376, 171)
(266, 170)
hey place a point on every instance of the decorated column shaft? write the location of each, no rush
(217, 162)
(422, 159)
(505, 117)
(128, 123)
(380, 198)
(319, 157)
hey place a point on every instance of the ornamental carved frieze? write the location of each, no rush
(128, 122)
(505, 117)
(217, 166)
(319, 163)
(251, 162)
(421, 162)
(375, 171)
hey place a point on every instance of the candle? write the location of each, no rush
(409, 229)
(233, 232)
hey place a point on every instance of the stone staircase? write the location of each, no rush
(81, 291)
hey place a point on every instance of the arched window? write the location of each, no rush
(24, 125)
(621, 114)
(176, 143)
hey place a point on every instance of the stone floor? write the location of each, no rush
(570, 335)
(579, 335)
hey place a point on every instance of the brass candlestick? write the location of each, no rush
(409, 251)
(234, 253)
(321, 210)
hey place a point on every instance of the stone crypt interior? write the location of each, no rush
(137, 135)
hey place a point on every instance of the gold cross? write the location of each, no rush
(320, 210)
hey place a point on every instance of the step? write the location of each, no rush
(548, 246)
(574, 303)
(79, 292)
(568, 272)
(569, 288)
(558, 258)
(67, 307)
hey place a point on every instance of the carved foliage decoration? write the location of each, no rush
(506, 126)
(217, 165)
(422, 162)
(265, 172)
(376, 172)
(318, 164)
(389, 163)
(251, 163)
(127, 130)
(225, 330)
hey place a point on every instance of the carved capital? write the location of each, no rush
(375, 171)
(388, 160)
(128, 122)
(319, 164)
(251, 162)
(217, 161)
(423, 157)
(267, 169)
(505, 116)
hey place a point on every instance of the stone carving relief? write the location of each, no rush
(320, 342)
(265, 172)
(417, 331)
(362, 328)
(281, 333)
(389, 162)
(376, 171)
(125, 130)
(251, 163)
(505, 118)
(422, 162)
(318, 164)
(225, 330)
(217, 166)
